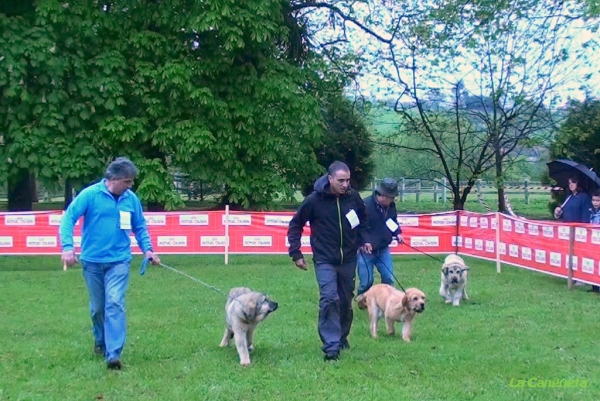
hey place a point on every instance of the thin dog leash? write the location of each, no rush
(424, 253)
(388, 269)
(431, 256)
(145, 265)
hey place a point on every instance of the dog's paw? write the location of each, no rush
(251, 347)
(448, 301)
(245, 364)
(407, 339)
(455, 303)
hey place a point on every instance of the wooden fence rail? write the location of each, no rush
(440, 188)
(406, 186)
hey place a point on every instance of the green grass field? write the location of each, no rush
(518, 325)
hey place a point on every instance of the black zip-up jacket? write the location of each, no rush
(381, 236)
(332, 238)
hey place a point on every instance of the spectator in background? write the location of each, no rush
(595, 219)
(575, 209)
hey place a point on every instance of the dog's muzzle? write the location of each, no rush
(272, 306)
(420, 308)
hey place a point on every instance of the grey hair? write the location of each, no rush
(121, 168)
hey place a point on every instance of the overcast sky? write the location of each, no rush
(372, 82)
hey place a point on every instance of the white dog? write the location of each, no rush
(454, 280)
(244, 310)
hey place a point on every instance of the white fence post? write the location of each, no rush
(444, 183)
(498, 263)
(402, 188)
(227, 234)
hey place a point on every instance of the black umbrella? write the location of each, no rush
(562, 169)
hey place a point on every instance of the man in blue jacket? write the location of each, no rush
(383, 222)
(338, 227)
(111, 211)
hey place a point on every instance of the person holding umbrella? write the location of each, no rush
(576, 207)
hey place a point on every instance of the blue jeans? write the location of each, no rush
(107, 283)
(382, 259)
(336, 287)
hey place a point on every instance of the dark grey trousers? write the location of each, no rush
(336, 289)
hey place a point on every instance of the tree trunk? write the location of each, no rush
(500, 182)
(459, 204)
(19, 192)
(155, 207)
(33, 188)
(68, 193)
(465, 194)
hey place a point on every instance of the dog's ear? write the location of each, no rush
(445, 270)
(361, 301)
(405, 300)
(257, 306)
(252, 310)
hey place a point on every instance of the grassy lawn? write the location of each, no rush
(519, 325)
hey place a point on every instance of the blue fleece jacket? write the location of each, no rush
(103, 240)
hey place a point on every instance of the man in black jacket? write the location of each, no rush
(383, 222)
(338, 227)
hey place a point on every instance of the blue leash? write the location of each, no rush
(144, 266)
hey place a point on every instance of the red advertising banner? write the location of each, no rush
(537, 245)
(36, 233)
(477, 234)
(544, 246)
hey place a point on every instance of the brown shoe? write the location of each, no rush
(114, 365)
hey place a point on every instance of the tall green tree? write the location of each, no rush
(20, 181)
(346, 138)
(206, 88)
(579, 136)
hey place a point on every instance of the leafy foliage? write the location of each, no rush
(346, 139)
(177, 85)
(579, 136)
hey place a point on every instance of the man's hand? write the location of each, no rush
(152, 257)
(367, 248)
(400, 239)
(68, 258)
(300, 263)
